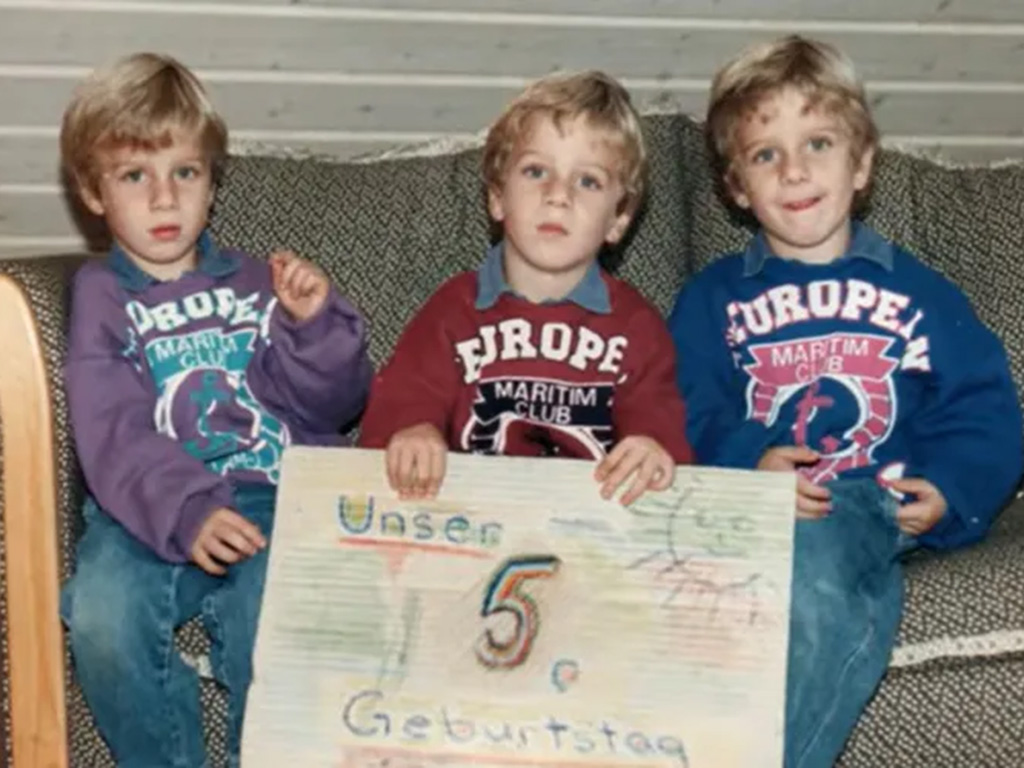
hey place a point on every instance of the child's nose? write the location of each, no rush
(794, 167)
(164, 194)
(557, 191)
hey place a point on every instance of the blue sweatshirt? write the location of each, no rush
(875, 361)
(176, 389)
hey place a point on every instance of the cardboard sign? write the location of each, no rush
(520, 620)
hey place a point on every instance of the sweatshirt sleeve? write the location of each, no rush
(967, 439)
(421, 381)
(144, 480)
(716, 421)
(317, 372)
(648, 402)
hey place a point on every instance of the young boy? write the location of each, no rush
(538, 352)
(825, 349)
(189, 370)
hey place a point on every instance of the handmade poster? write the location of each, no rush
(520, 620)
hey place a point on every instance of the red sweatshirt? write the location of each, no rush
(524, 379)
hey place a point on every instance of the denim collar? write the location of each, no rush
(590, 292)
(865, 243)
(212, 261)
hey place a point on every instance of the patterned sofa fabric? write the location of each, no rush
(390, 231)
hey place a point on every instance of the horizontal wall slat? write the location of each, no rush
(23, 248)
(286, 110)
(77, 37)
(962, 11)
(35, 216)
(34, 160)
(29, 160)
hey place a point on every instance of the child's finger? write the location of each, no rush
(805, 487)
(641, 481)
(422, 480)
(231, 522)
(391, 464)
(915, 486)
(437, 460)
(302, 280)
(245, 536)
(223, 551)
(664, 475)
(610, 461)
(405, 470)
(288, 274)
(812, 501)
(207, 563)
(237, 541)
(627, 464)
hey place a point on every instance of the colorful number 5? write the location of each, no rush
(504, 594)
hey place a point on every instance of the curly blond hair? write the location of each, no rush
(143, 101)
(820, 71)
(563, 97)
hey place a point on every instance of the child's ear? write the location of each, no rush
(495, 206)
(90, 200)
(619, 226)
(734, 186)
(862, 169)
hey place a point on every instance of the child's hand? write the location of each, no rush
(415, 461)
(653, 466)
(225, 538)
(300, 285)
(921, 515)
(812, 500)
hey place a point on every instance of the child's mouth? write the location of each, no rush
(167, 232)
(802, 205)
(551, 228)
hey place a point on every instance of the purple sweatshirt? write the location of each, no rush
(177, 388)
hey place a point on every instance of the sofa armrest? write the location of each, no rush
(35, 643)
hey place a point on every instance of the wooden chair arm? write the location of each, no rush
(34, 635)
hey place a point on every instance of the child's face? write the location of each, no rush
(793, 168)
(558, 204)
(155, 204)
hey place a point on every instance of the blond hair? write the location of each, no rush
(143, 101)
(824, 75)
(563, 97)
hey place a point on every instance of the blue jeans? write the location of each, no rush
(122, 607)
(847, 599)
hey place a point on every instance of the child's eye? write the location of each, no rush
(764, 155)
(819, 143)
(133, 175)
(533, 171)
(589, 181)
(186, 172)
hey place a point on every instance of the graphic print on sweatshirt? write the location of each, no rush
(824, 357)
(199, 369)
(545, 412)
(546, 385)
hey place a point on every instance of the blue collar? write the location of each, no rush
(590, 292)
(865, 243)
(212, 261)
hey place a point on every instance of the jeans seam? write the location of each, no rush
(857, 653)
(166, 649)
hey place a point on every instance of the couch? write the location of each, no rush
(389, 230)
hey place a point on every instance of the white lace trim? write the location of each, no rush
(971, 646)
